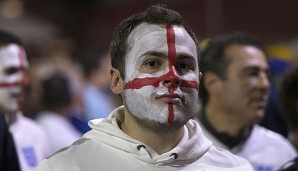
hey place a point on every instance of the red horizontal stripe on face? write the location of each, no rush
(190, 84)
(138, 83)
(11, 84)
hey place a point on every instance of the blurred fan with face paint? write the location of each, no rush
(29, 138)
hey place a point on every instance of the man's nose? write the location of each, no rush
(172, 79)
(264, 81)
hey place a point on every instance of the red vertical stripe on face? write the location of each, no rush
(171, 46)
(22, 56)
(172, 73)
(171, 113)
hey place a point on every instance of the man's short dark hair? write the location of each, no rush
(214, 59)
(288, 96)
(7, 38)
(156, 14)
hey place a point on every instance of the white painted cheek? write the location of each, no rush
(191, 77)
(145, 91)
(141, 102)
(15, 78)
(7, 102)
(4, 94)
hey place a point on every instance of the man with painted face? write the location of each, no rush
(29, 138)
(155, 70)
(234, 93)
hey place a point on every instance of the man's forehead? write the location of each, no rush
(153, 37)
(145, 29)
(12, 54)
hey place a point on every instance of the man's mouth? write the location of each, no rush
(261, 102)
(170, 98)
(19, 96)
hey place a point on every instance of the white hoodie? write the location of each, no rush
(107, 147)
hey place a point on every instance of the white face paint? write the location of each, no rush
(13, 64)
(147, 59)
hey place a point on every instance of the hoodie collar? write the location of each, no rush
(192, 146)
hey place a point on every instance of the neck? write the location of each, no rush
(224, 122)
(161, 143)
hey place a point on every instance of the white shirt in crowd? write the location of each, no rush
(30, 141)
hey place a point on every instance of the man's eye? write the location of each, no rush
(151, 63)
(253, 73)
(10, 71)
(151, 66)
(182, 66)
(185, 66)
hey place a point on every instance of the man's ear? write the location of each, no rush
(211, 82)
(200, 76)
(116, 82)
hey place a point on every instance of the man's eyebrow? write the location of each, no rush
(255, 68)
(185, 56)
(154, 53)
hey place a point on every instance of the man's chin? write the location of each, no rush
(160, 127)
(258, 116)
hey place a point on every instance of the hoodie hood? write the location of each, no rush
(192, 146)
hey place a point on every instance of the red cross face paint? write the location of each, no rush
(162, 74)
(13, 66)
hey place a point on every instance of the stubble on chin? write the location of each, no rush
(157, 127)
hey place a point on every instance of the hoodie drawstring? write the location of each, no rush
(143, 151)
(172, 157)
(140, 146)
(175, 155)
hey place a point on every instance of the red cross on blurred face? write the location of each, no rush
(162, 76)
(13, 76)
